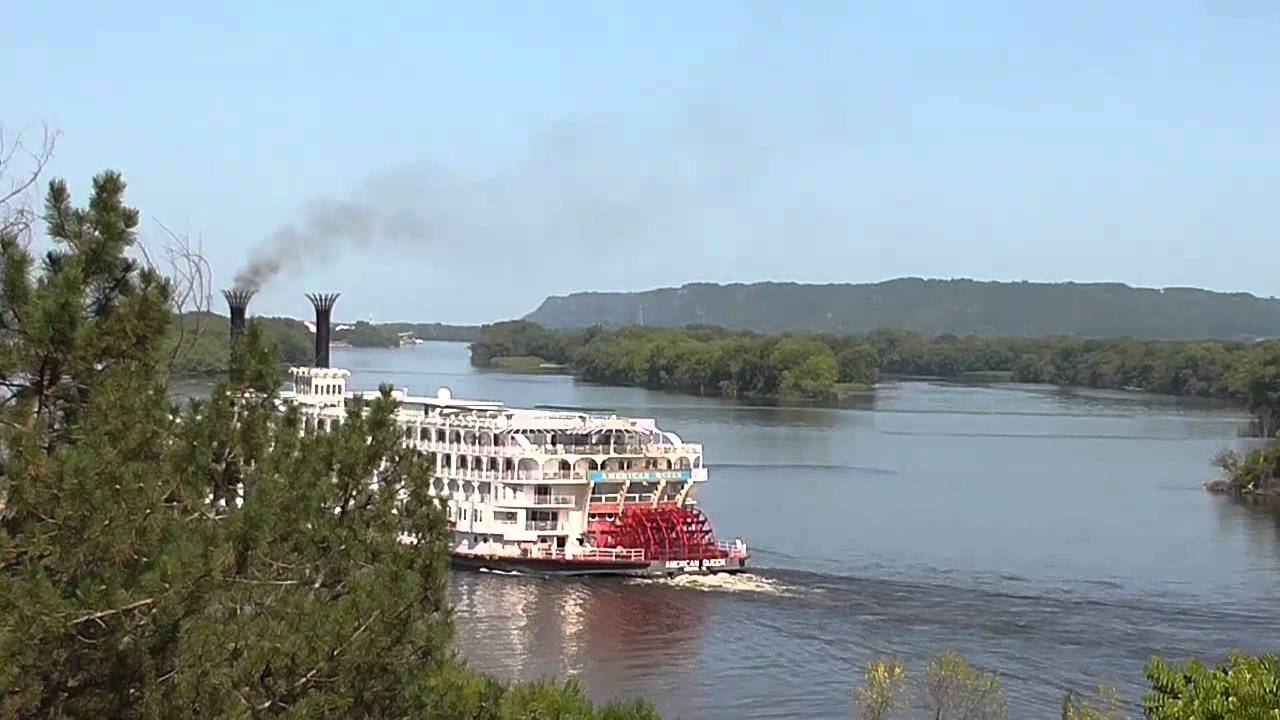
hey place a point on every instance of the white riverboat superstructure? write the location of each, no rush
(551, 491)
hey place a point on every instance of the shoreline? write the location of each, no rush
(1223, 486)
(842, 391)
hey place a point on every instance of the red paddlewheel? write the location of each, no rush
(664, 533)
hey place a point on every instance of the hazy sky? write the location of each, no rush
(492, 154)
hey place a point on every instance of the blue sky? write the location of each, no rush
(504, 151)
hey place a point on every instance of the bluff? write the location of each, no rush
(964, 307)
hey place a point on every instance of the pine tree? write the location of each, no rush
(212, 560)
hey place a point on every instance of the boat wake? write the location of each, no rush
(724, 582)
(501, 572)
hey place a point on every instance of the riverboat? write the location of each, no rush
(539, 491)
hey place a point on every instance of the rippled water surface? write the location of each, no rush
(1057, 536)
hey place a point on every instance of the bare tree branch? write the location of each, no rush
(183, 262)
(21, 164)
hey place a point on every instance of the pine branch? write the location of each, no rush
(310, 676)
(247, 581)
(114, 611)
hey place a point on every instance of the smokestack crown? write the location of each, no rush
(323, 301)
(324, 305)
(238, 302)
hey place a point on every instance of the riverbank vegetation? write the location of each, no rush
(951, 688)
(705, 360)
(206, 560)
(1254, 473)
(199, 340)
(714, 361)
(365, 334)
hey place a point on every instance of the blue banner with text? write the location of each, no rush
(637, 475)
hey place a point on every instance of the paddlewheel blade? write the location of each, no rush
(665, 533)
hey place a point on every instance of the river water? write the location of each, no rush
(1057, 536)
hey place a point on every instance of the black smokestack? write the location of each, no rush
(324, 306)
(238, 301)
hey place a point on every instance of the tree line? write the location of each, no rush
(199, 340)
(708, 360)
(951, 688)
(716, 361)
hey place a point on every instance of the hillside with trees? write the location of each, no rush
(442, 332)
(930, 307)
(199, 339)
(198, 342)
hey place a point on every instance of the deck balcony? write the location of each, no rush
(629, 449)
(531, 500)
(554, 501)
(525, 476)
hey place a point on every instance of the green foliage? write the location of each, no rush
(525, 364)
(199, 342)
(954, 689)
(859, 363)
(1254, 472)
(951, 689)
(212, 560)
(365, 334)
(1104, 705)
(885, 690)
(708, 360)
(807, 367)
(517, 337)
(1245, 688)
(931, 307)
(435, 331)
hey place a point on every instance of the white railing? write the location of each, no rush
(604, 554)
(574, 449)
(735, 550)
(615, 498)
(474, 474)
(468, 449)
(628, 449)
(552, 500)
(532, 476)
(548, 449)
(541, 525)
(578, 477)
